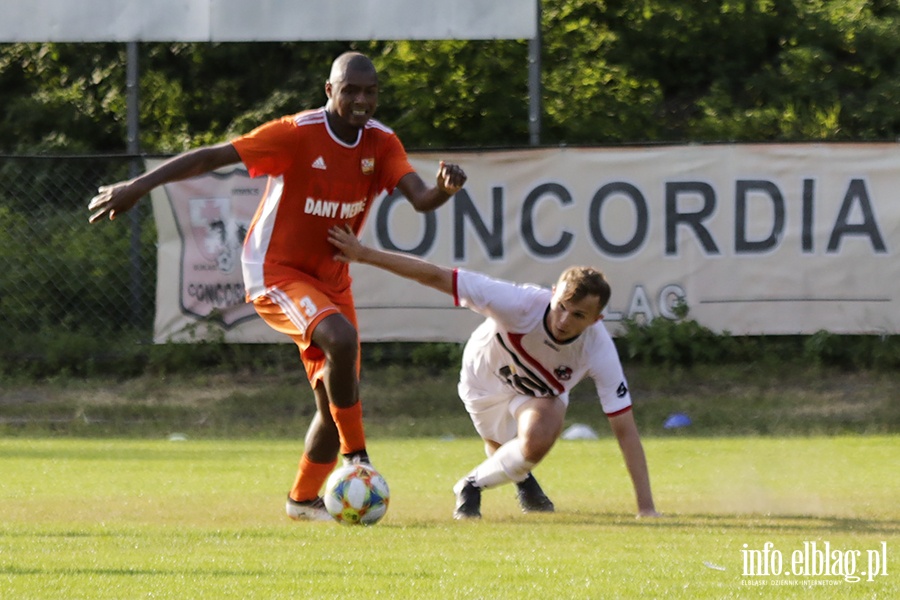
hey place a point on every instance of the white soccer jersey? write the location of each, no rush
(512, 351)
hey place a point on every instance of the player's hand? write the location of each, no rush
(450, 178)
(346, 241)
(111, 200)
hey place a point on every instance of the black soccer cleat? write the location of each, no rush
(468, 500)
(360, 457)
(531, 497)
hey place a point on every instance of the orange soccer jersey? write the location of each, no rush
(316, 181)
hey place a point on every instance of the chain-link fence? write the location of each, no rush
(56, 270)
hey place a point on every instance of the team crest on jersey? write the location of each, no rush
(367, 165)
(563, 373)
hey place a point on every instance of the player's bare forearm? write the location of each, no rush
(450, 179)
(404, 265)
(431, 199)
(626, 433)
(111, 200)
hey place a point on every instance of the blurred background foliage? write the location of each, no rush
(613, 72)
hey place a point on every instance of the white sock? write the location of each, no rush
(506, 465)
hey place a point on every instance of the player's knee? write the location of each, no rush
(338, 339)
(536, 445)
(538, 431)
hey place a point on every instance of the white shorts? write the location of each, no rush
(494, 414)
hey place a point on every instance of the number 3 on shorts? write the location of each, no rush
(308, 306)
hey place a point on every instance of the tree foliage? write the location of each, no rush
(455, 93)
(614, 71)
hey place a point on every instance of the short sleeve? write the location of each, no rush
(268, 149)
(513, 305)
(395, 162)
(606, 371)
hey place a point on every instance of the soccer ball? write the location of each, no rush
(356, 494)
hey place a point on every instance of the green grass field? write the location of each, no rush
(204, 519)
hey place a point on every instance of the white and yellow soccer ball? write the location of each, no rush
(356, 494)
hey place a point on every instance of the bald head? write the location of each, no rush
(352, 90)
(347, 62)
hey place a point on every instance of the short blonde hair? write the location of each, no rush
(585, 281)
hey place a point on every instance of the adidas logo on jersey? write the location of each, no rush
(319, 163)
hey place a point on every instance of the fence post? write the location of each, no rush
(534, 82)
(132, 75)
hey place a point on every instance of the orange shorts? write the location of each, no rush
(295, 308)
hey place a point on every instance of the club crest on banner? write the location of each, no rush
(217, 235)
(212, 215)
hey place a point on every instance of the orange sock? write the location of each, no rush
(350, 427)
(310, 478)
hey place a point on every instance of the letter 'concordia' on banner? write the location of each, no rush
(753, 239)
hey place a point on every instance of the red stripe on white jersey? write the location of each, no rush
(516, 340)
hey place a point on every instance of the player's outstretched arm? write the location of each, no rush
(111, 200)
(625, 430)
(404, 265)
(450, 179)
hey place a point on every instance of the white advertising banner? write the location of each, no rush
(265, 20)
(755, 239)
